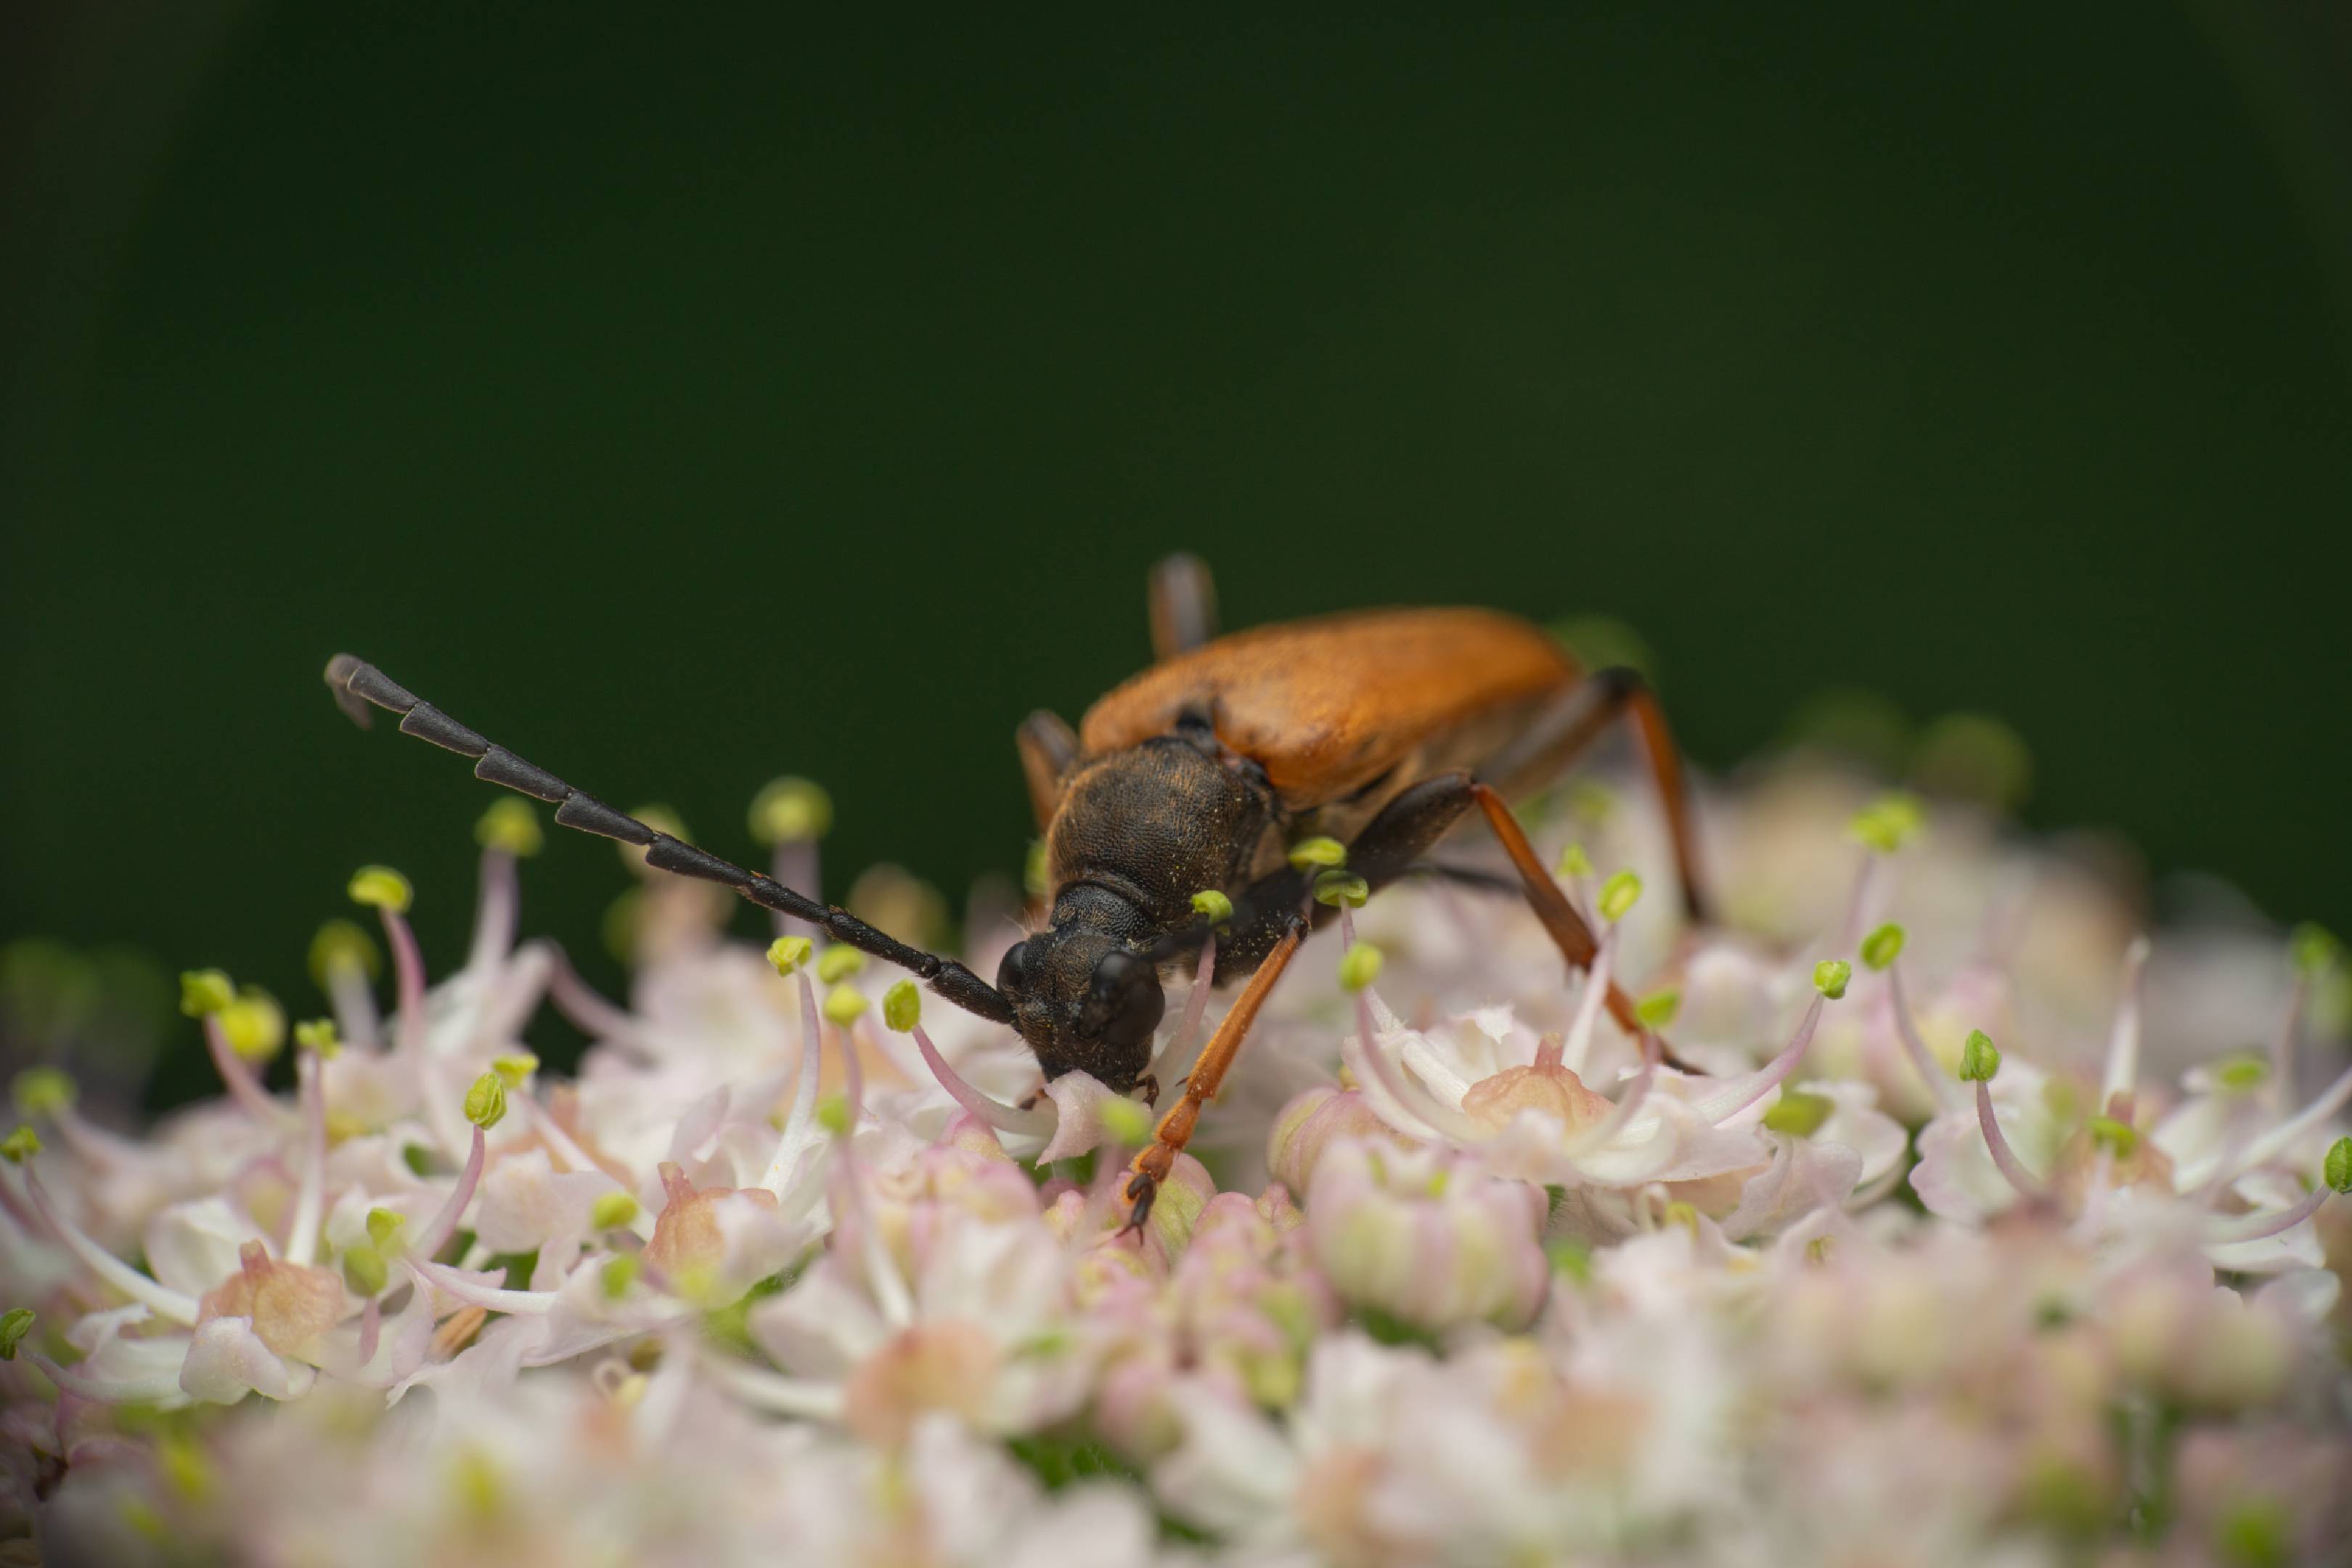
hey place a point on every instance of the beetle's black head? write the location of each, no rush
(1084, 1000)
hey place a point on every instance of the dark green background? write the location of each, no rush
(684, 402)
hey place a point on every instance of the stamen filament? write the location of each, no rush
(237, 1074)
(1923, 1061)
(1579, 1044)
(806, 1398)
(792, 1146)
(496, 909)
(1740, 1093)
(2123, 1043)
(1401, 1087)
(156, 1390)
(158, 1298)
(2270, 1144)
(490, 1298)
(311, 1190)
(995, 1113)
(2258, 1226)
(444, 1224)
(2029, 1186)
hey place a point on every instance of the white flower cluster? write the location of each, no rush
(1464, 1273)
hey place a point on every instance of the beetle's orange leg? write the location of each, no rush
(1152, 1166)
(1559, 737)
(1183, 604)
(1049, 749)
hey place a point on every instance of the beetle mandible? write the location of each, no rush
(1382, 729)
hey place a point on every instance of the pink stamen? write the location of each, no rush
(581, 1004)
(1940, 1084)
(354, 1005)
(443, 1225)
(2029, 1186)
(237, 1074)
(1346, 926)
(2270, 1144)
(1579, 1045)
(795, 866)
(157, 1298)
(882, 1281)
(145, 1390)
(311, 1190)
(1857, 905)
(454, 1282)
(1403, 1087)
(2283, 1044)
(2256, 1228)
(995, 1113)
(1742, 1092)
(496, 909)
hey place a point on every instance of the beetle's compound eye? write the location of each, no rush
(1012, 975)
(1124, 1001)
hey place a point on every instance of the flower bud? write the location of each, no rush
(1427, 1235)
(1311, 1119)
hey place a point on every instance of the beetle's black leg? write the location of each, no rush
(1558, 736)
(357, 684)
(1049, 749)
(1183, 599)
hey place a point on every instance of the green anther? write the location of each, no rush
(486, 1103)
(619, 1274)
(1572, 1259)
(382, 1226)
(343, 944)
(2114, 1134)
(902, 1007)
(842, 1003)
(1658, 1009)
(42, 1091)
(1125, 1121)
(20, 1146)
(13, 1327)
(2313, 948)
(1883, 946)
(1797, 1113)
(1359, 966)
(611, 1211)
(319, 1035)
(1034, 870)
(1336, 887)
(2336, 1168)
(789, 953)
(1574, 862)
(203, 991)
(515, 1067)
(833, 1114)
(511, 827)
(1682, 1214)
(791, 811)
(364, 1270)
(1213, 905)
(2241, 1073)
(254, 1024)
(1830, 977)
(1978, 1060)
(1318, 851)
(380, 887)
(838, 963)
(1888, 822)
(1618, 896)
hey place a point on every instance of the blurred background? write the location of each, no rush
(685, 402)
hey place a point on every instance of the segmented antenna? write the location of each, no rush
(356, 684)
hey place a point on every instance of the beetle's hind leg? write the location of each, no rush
(1183, 604)
(1563, 732)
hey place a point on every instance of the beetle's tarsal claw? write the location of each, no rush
(1140, 1191)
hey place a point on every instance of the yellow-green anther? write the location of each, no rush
(341, 944)
(791, 811)
(382, 888)
(486, 1103)
(833, 1114)
(612, 1211)
(1682, 1214)
(510, 826)
(1978, 1060)
(902, 1007)
(382, 1226)
(254, 1024)
(1658, 1009)
(1573, 1258)
(838, 964)
(1318, 851)
(1618, 896)
(319, 1035)
(2241, 1073)
(842, 1003)
(2313, 948)
(619, 1274)
(1125, 1121)
(1888, 822)
(364, 1270)
(42, 1091)
(516, 1068)
(20, 1146)
(1359, 966)
(1883, 946)
(789, 953)
(1213, 905)
(1574, 862)
(203, 991)
(1035, 869)
(2121, 1137)
(13, 1327)
(1830, 977)
(1799, 1113)
(2336, 1170)
(1336, 887)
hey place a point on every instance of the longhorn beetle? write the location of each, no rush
(1382, 729)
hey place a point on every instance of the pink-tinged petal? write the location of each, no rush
(227, 1360)
(1080, 1098)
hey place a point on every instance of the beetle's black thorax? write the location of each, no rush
(1154, 825)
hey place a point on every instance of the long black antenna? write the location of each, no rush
(357, 683)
